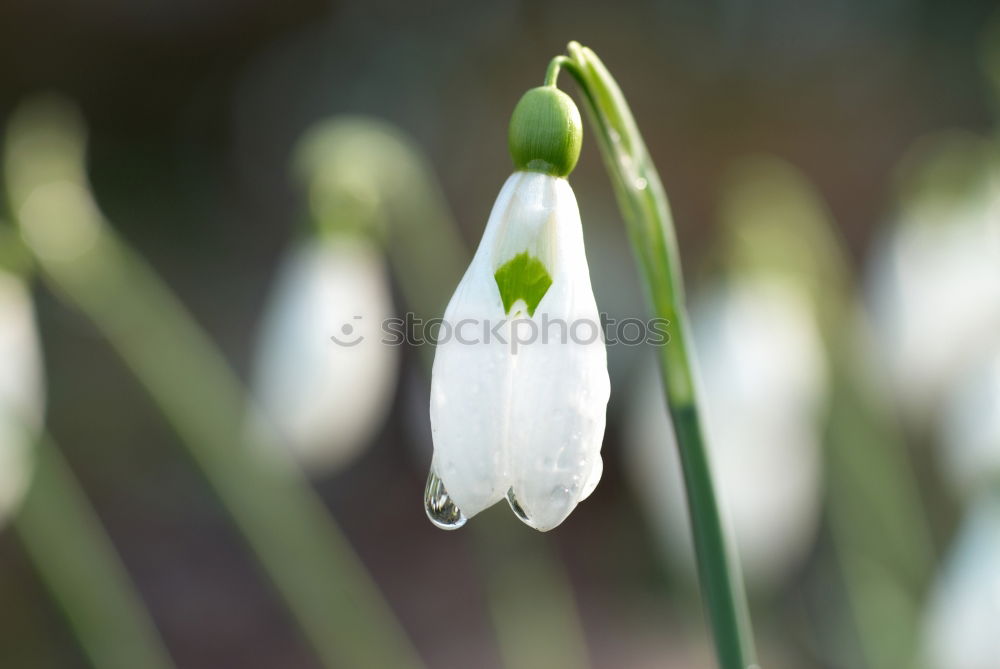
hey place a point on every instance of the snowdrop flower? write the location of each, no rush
(935, 287)
(763, 367)
(520, 390)
(21, 392)
(322, 374)
(960, 628)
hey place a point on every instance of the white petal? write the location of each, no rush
(594, 478)
(470, 382)
(519, 415)
(22, 393)
(934, 294)
(561, 387)
(326, 399)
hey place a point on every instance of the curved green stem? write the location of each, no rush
(552, 74)
(644, 207)
(78, 564)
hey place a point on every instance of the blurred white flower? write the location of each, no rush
(521, 415)
(963, 615)
(22, 392)
(935, 284)
(323, 375)
(764, 374)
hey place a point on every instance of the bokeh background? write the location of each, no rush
(194, 110)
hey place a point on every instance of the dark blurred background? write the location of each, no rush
(193, 109)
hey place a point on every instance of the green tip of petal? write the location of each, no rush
(523, 277)
(546, 132)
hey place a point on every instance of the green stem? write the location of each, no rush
(879, 534)
(645, 209)
(529, 595)
(78, 564)
(309, 560)
(556, 64)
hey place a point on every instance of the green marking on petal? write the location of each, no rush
(523, 277)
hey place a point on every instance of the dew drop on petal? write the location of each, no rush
(440, 509)
(515, 506)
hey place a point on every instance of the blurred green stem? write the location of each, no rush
(78, 564)
(644, 207)
(308, 559)
(879, 532)
(530, 597)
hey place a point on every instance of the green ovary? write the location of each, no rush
(523, 277)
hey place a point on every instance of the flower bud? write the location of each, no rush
(545, 132)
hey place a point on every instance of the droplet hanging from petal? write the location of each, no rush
(516, 507)
(440, 508)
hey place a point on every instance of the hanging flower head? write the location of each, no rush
(934, 288)
(322, 376)
(520, 386)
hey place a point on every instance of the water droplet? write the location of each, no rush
(515, 506)
(641, 183)
(440, 509)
